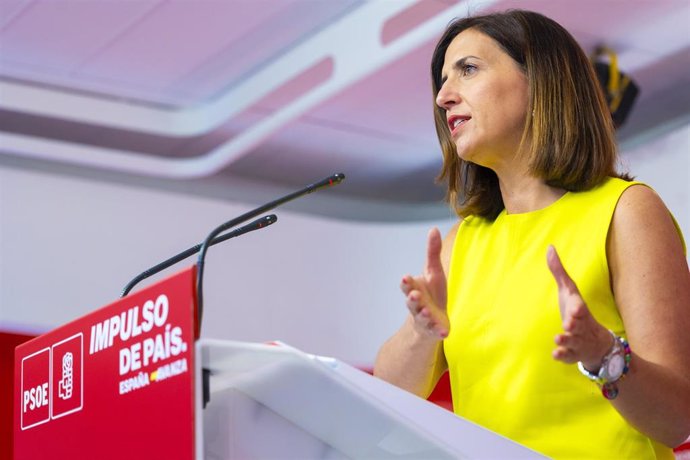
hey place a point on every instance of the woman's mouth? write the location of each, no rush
(456, 121)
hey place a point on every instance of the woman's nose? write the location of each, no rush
(447, 96)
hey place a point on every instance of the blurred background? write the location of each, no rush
(131, 128)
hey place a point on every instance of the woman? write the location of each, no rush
(530, 157)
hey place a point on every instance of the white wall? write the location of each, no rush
(329, 287)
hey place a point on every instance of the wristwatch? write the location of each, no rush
(613, 364)
(613, 367)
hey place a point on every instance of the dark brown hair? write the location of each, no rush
(569, 127)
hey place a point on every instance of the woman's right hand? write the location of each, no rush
(426, 294)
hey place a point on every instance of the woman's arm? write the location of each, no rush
(651, 285)
(413, 357)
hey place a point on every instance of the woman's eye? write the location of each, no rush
(468, 69)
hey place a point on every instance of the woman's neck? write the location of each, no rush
(522, 193)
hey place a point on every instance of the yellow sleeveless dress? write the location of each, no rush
(504, 315)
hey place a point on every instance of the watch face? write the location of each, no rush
(614, 368)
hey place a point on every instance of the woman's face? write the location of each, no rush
(485, 95)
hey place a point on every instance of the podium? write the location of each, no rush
(273, 401)
(130, 380)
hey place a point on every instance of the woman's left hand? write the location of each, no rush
(583, 338)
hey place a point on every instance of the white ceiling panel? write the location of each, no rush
(56, 37)
(9, 9)
(276, 34)
(176, 39)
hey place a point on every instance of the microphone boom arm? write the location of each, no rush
(256, 225)
(327, 182)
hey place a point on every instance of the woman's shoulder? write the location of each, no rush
(641, 215)
(641, 195)
(637, 203)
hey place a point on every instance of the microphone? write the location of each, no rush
(335, 179)
(262, 222)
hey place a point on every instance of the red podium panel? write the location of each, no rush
(116, 383)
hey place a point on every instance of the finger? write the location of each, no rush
(414, 302)
(433, 255)
(417, 302)
(406, 284)
(558, 271)
(434, 325)
(569, 322)
(565, 340)
(564, 354)
(570, 342)
(424, 319)
(578, 319)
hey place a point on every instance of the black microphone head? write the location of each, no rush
(267, 220)
(337, 178)
(261, 222)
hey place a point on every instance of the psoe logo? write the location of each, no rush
(52, 382)
(67, 376)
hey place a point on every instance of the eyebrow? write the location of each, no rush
(457, 65)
